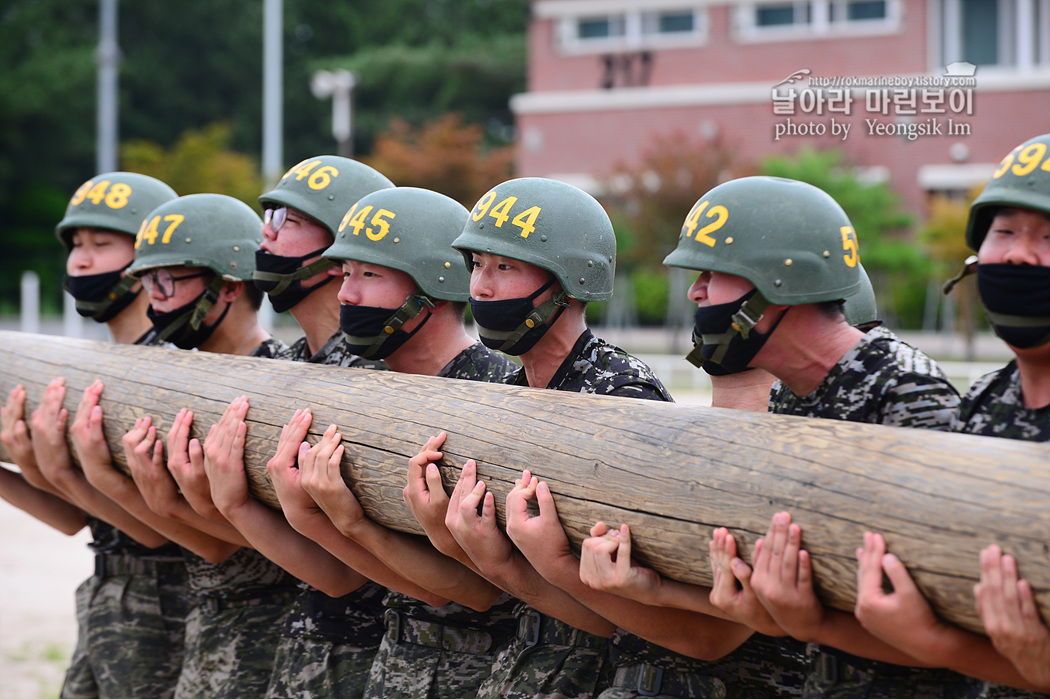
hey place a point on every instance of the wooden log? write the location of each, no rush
(672, 472)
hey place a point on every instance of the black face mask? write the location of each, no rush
(184, 326)
(1016, 299)
(721, 343)
(101, 296)
(513, 326)
(282, 277)
(375, 333)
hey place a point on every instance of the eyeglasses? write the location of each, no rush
(276, 217)
(163, 281)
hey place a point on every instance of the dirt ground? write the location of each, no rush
(40, 569)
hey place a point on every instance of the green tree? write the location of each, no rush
(943, 235)
(896, 264)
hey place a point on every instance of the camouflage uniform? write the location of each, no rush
(761, 668)
(131, 615)
(442, 652)
(994, 407)
(329, 643)
(547, 657)
(240, 604)
(333, 353)
(879, 380)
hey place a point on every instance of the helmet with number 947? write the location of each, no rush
(324, 187)
(1022, 180)
(549, 224)
(200, 230)
(788, 238)
(115, 201)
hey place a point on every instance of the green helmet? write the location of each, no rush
(411, 230)
(788, 238)
(324, 186)
(550, 224)
(116, 201)
(860, 308)
(200, 230)
(1022, 180)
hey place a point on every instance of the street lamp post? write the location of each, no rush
(337, 84)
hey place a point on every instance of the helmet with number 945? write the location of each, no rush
(115, 201)
(788, 238)
(200, 230)
(1022, 180)
(549, 224)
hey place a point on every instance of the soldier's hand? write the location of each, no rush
(89, 442)
(541, 538)
(186, 465)
(49, 422)
(145, 456)
(783, 581)
(322, 479)
(731, 590)
(14, 432)
(224, 457)
(284, 468)
(605, 564)
(425, 495)
(478, 535)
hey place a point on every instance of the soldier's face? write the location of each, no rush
(97, 251)
(373, 285)
(713, 288)
(172, 287)
(498, 278)
(1017, 237)
(297, 235)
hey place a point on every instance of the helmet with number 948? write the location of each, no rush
(788, 238)
(1022, 180)
(324, 187)
(200, 230)
(550, 224)
(411, 230)
(115, 201)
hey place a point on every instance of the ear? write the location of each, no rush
(230, 291)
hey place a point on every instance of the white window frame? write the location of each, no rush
(1016, 50)
(634, 38)
(820, 25)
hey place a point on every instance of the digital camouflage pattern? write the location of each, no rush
(131, 614)
(442, 652)
(329, 644)
(880, 380)
(333, 353)
(595, 366)
(763, 667)
(994, 407)
(270, 348)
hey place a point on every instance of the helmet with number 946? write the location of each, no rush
(411, 230)
(549, 224)
(200, 230)
(1022, 180)
(788, 238)
(115, 201)
(324, 187)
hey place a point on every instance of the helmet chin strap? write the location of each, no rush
(554, 306)
(411, 308)
(744, 321)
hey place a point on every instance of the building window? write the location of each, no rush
(676, 24)
(774, 21)
(1008, 34)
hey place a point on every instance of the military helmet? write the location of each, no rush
(550, 224)
(200, 230)
(116, 201)
(323, 187)
(1022, 179)
(411, 230)
(861, 308)
(788, 238)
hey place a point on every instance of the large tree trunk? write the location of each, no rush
(670, 471)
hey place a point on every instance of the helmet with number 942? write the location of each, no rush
(411, 230)
(200, 230)
(788, 238)
(549, 224)
(1022, 180)
(324, 187)
(115, 201)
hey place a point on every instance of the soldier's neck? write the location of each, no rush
(131, 323)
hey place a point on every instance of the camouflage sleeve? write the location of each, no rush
(920, 400)
(642, 390)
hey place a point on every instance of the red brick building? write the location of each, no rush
(605, 75)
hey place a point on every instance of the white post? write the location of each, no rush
(72, 322)
(30, 315)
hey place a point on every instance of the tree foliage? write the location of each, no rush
(444, 155)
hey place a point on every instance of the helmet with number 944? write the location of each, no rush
(1022, 180)
(549, 224)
